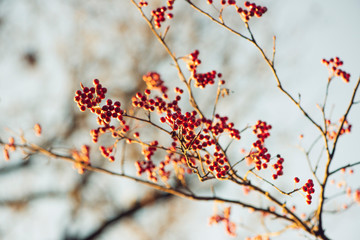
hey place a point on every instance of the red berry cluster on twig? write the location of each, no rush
(110, 110)
(278, 166)
(82, 158)
(223, 2)
(184, 126)
(219, 165)
(201, 79)
(161, 104)
(106, 151)
(309, 189)
(90, 98)
(153, 81)
(159, 13)
(252, 10)
(37, 129)
(148, 165)
(149, 151)
(162, 172)
(356, 196)
(229, 226)
(179, 162)
(260, 153)
(143, 3)
(220, 125)
(142, 101)
(333, 128)
(10, 146)
(261, 129)
(333, 64)
(174, 119)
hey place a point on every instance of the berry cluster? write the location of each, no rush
(162, 172)
(184, 127)
(309, 189)
(149, 151)
(110, 110)
(223, 2)
(106, 151)
(95, 133)
(258, 237)
(261, 129)
(9, 146)
(220, 125)
(148, 165)
(278, 166)
(82, 158)
(90, 98)
(357, 196)
(219, 164)
(153, 81)
(260, 153)
(159, 13)
(179, 162)
(201, 79)
(332, 128)
(252, 10)
(37, 129)
(333, 64)
(142, 101)
(157, 103)
(143, 3)
(229, 226)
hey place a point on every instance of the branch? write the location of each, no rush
(154, 198)
(343, 167)
(217, 21)
(37, 149)
(352, 101)
(330, 157)
(22, 201)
